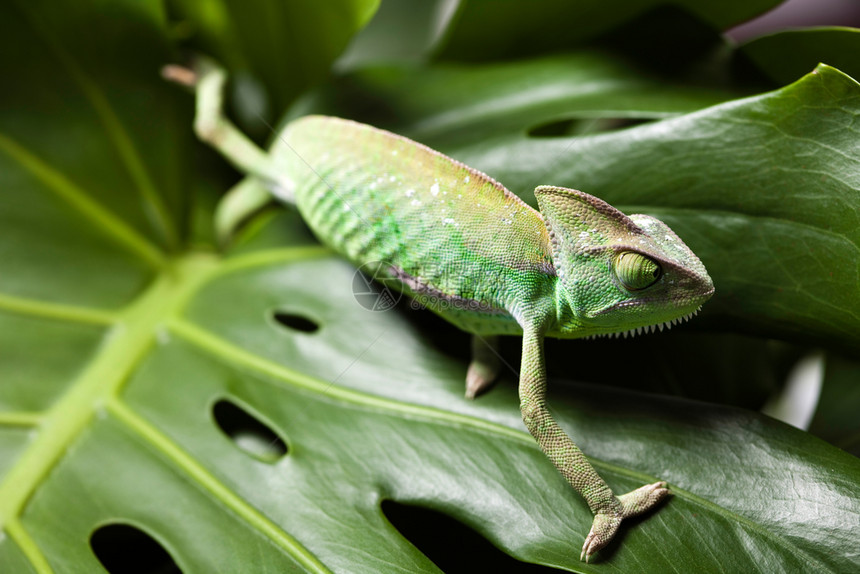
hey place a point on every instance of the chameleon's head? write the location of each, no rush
(619, 273)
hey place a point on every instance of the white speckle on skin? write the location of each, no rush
(434, 189)
(583, 235)
(670, 238)
(410, 192)
(392, 178)
(466, 179)
(459, 195)
(447, 221)
(416, 202)
(162, 336)
(394, 152)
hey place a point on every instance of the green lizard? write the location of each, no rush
(477, 255)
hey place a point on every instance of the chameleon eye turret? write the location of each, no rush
(636, 271)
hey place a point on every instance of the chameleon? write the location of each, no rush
(476, 254)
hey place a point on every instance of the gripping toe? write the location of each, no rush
(642, 499)
(603, 529)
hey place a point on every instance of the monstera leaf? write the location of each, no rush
(166, 404)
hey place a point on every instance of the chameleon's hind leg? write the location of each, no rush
(213, 127)
(485, 365)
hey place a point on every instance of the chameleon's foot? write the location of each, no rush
(603, 529)
(606, 524)
(485, 365)
(478, 379)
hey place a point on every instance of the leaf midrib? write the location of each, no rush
(125, 344)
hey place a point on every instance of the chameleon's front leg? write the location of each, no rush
(609, 510)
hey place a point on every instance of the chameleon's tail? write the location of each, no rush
(212, 126)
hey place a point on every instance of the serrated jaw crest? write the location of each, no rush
(648, 328)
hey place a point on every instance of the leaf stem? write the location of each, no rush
(28, 546)
(20, 419)
(56, 310)
(125, 344)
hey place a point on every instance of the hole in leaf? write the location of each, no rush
(248, 433)
(296, 322)
(451, 545)
(124, 549)
(583, 126)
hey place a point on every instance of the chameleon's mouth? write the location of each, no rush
(647, 328)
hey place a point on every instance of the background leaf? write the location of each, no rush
(788, 166)
(506, 30)
(276, 49)
(70, 140)
(835, 418)
(787, 55)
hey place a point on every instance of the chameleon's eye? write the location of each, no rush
(636, 271)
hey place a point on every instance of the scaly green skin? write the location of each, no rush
(474, 253)
(437, 225)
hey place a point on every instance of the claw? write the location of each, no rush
(603, 529)
(179, 74)
(485, 365)
(606, 524)
(478, 380)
